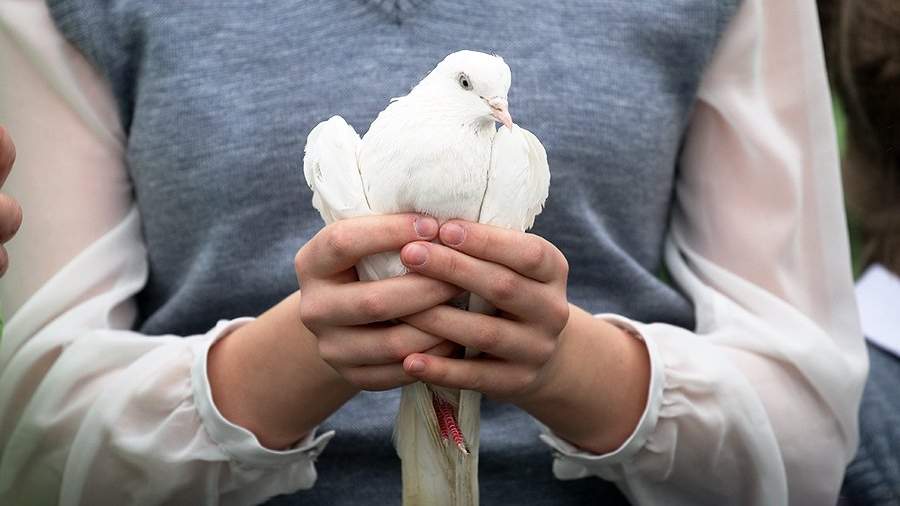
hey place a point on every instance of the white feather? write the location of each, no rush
(332, 173)
(519, 181)
(433, 151)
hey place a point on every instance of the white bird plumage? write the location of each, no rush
(435, 151)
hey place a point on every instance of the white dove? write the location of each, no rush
(435, 151)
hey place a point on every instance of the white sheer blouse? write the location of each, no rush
(757, 405)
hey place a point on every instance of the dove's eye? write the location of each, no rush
(464, 81)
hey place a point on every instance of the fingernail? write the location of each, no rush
(425, 227)
(417, 365)
(452, 234)
(415, 254)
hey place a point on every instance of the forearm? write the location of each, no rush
(576, 400)
(267, 377)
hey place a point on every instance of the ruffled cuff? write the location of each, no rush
(571, 462)
(237, 442)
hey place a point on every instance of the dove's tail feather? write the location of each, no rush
(436, 471)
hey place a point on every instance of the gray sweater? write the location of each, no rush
(217, 98)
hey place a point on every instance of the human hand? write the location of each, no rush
(581, 376)
(521, 274)
(10, 211)
(349, 316)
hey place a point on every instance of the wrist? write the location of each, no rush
(267, 377)
(594, 390)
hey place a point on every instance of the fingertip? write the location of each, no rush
(414, 254)
(452, 233)
(426, 227)
(414, 364)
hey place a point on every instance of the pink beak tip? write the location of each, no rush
(503, 116)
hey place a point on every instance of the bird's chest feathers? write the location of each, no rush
(438, 171)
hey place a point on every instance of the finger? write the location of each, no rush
(445, 349)
(4, 261)
(362, 346)
(341, 245)
(505, 288)
(377, 377)
(10, 217)
(528, 254)
(7, 154)
(491, 377)
(365, 302)
(492, 335)
(383, 377)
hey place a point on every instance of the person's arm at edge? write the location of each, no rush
(761, 400)
(67, 347)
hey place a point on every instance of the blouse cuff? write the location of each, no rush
(236, 441)
(571, 462)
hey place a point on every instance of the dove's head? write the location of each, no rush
(477, 84)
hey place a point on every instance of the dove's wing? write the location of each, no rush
(332, 172)
(518, 182)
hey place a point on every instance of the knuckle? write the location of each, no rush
(519, 386)
(504, 287)
(534, 254)
(298, 261)
(545, 351)
(374, 306)
(560, 314)
(394, 346)
(563, 267)
(10, 217)
(328, 351)
(432, 319)
(355, 377)
(474, 381)
(338, 242)
(311, 312)
(488, 338)
(525, 381)
(301, 264)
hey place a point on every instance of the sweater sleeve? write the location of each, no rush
(758, 404)
(90, 411)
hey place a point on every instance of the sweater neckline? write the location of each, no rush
(397, 10)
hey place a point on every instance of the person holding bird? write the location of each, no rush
(678, 328)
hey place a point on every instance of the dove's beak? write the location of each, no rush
(500, 110)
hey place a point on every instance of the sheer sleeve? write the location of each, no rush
(758, 404)
(90, 411)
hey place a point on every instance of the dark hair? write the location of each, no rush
(862, 47)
